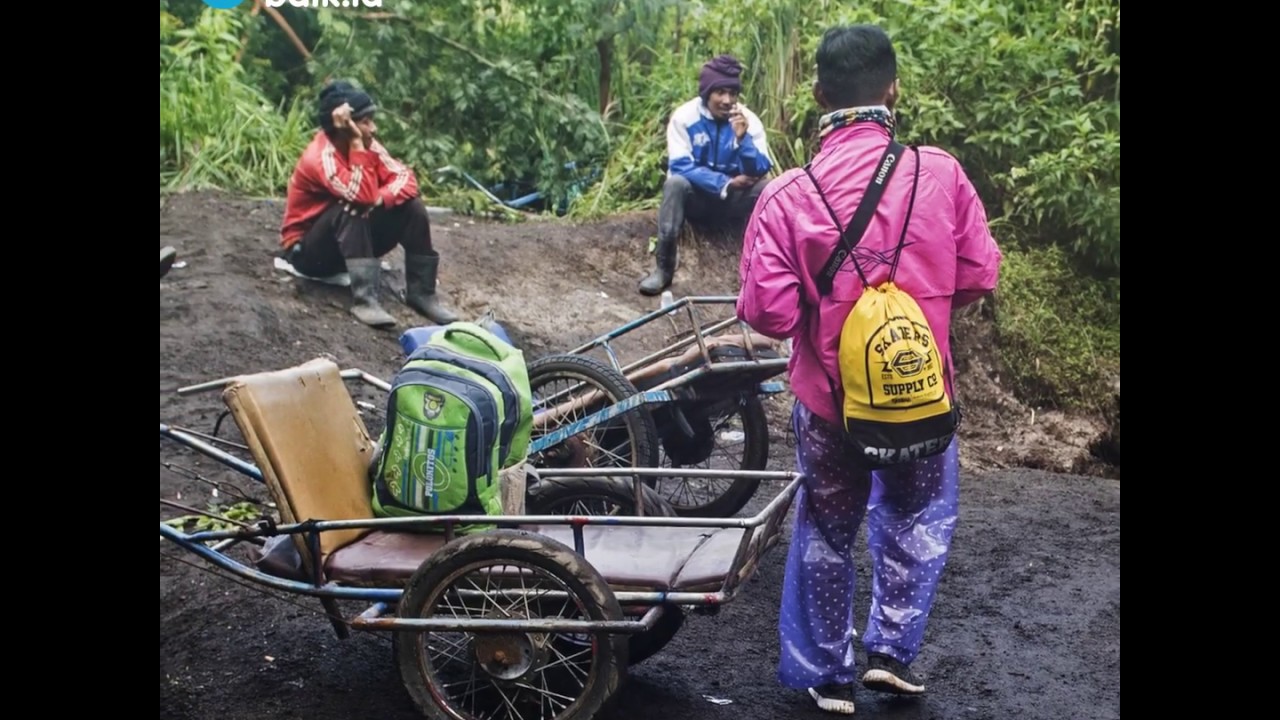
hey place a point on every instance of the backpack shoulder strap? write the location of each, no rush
(825, 278)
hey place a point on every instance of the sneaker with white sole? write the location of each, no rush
(885, 674)
(833, 698)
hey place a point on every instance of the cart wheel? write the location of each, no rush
(167, 256)
(629, 440)
(593, 496)
(516, 675)
(716, 497)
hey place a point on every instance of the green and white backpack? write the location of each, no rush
(460, 410)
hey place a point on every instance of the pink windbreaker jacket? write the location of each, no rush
(950, 258)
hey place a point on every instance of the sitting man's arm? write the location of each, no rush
(680, 161)
(753, 148)
(355, 183)
(396, 181)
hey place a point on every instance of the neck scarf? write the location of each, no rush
(878, 114)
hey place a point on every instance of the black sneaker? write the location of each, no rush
(833, 698)
(884, 674)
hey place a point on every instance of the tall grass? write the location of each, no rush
(217, 130)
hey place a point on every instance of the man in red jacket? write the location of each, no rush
(350, 203)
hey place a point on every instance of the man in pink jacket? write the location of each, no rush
(949, 259)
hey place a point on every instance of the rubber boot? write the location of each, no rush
(420, 288)
(364, 292)
(660, 278)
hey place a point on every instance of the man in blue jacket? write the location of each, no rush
(717, 159)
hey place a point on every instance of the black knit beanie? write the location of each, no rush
(335, 94)
(723, 71)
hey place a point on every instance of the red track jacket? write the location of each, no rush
(324, 176)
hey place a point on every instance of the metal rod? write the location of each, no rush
(219, 547)
(627, 597)
(613, 357)
(669, 472)
(542, 442)
(361, 375)
(654, 315)
(780, 364)
(211, 438)
(428, 521)
(638, 597)
(293, 586)
(678, 346)
(375, 610)
(244, 468)
(740, 558)
(700, 337)
(627, 627)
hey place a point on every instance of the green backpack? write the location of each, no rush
(460, 410)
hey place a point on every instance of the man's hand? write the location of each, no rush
(742, 182)
(342, 117)
(738, 120)
(342, 120)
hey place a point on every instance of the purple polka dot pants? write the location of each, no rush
(910, 513)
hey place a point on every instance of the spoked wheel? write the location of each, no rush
(593, 496)
(509, 574)
(729, 434)
(571, 387)
(610, 496)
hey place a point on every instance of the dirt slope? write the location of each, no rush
(1028, 621)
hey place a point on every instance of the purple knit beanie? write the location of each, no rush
(720, 72)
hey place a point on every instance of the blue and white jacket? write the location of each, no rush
(708, 153)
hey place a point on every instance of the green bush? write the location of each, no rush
(216, 129)
(1025, 93)
(1058, 329)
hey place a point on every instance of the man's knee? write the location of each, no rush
(415, 208)
(676, 186)
(407, 224)
(759, 188)
(411, 210)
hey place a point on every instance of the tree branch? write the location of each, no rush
(471, 54)
(284, 25)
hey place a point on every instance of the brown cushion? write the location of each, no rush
(709, 564)
(651, 558)
(310, 443)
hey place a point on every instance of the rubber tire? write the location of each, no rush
(167, 255)
(537, 550)
(547, 492)
(639, 422)
(755, 456)
(551, 491)
(647, 644)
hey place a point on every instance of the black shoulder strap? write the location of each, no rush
(861, 218)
